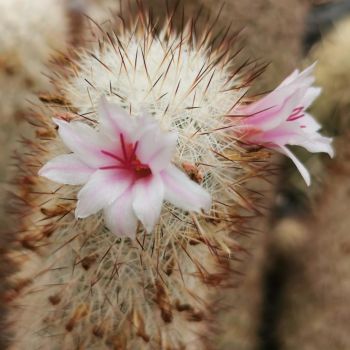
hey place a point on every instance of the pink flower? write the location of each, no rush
(280, 119)
(126, 170)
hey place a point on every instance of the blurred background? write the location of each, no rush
(294, 290)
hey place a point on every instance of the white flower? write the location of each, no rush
(126, 168)
(280, 119)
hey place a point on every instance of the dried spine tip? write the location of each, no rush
(155, 291)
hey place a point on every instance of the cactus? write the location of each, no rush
(80, 286)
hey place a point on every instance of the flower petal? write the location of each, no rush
(84, 141)
(148, 194)
(302, 169)
(120, 217)
(315, 143)
(103, 188)
(267, 103)
(279, 111)
(311, 95)
(306, 76)
(298, 78)
(290, 78)
(184, 193)
(67, 169)
(270, 105)
(309, 123)
(114, 120)
(156, 148)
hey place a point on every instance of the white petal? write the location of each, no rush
(303, 171)
(295, 81)
(326, 146)
(304, 77)
(307, 74)
(114, 120)
(84, 141)
(67, 169)
(290, 78)
(310, 96)
(276, 108)
(309, 123)
(314, 143)
(184, 193)
(148, 194)
(120, 217)
(156, 148)
(304, 133)
(272, 100)
(103, 188)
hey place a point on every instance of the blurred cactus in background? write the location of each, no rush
(314, 310)
(332, 75)
(32, 33)
(30, 37)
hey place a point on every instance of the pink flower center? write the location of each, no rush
(128, 160)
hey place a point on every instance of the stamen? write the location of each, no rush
(296, 114)
(129, 163)
(133, 151)
(112, 156)
(122, 141)
(112, 167)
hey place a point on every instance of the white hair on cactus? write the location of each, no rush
(178, 86)
(93, 289)
(30, 33)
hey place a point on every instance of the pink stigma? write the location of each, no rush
(297, 114)
(128, 160)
